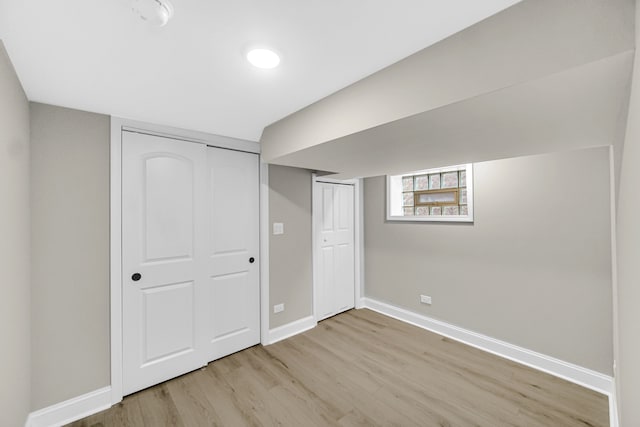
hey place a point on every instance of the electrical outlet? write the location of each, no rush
(425, 299)
(278, 308)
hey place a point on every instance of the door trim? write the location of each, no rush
(115, 248)
(358, 238)
(118, 125)
(264, 253)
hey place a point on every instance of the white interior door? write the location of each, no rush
(163, 249)
(335, 277)
(233, 283)
(190, 239)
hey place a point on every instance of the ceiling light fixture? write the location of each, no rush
(155, 12)
(263, 58)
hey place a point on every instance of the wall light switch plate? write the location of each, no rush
(425, 299)
(278, 228)
(278, 308)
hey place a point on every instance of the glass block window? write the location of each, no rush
(443, 194)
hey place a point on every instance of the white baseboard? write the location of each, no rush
(71, 410)
(614, 421)
(559, 368)
(291, 329)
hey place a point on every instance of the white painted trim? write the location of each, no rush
(290, 329)
(314, 252)
(358, 238)
(318, 178)
(115, 248)
(190, 135)
(71, 410)
(565, 370)
(613, 397)
(359, 242)
(614, 419)
(117, 126)
(264, 253)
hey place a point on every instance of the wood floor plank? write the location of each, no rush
(291, 389)
(361, 368)
(223, 399)
(336, 382)
(157, 407)
(125, 414)
(96, 420)
(191, 402)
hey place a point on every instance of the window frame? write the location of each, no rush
(394, 194)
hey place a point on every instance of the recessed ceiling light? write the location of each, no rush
(155, 12)
(263, 58)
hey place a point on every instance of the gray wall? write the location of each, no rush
(290, 274)
(628, 252)
(70, 253)
(463, 66)
(14, 247)
(534, 269)
(575, 109)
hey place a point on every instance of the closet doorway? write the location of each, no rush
(336, 227)
(190, 246)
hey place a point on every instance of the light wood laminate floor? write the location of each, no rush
(360, 368)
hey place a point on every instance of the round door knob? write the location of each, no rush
(251, 260)
(136, 276)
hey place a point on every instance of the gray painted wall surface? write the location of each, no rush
(533, 270)
(628, 252)
(14, 247)
(529, 40)
(290, 266)
(575, 109)
(70, 253)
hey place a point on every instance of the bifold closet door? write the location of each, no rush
(164, 214)
(335, 287)
(233, 272)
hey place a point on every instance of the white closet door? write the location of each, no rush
(233, 287)
(335, 287)
(163, 258)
